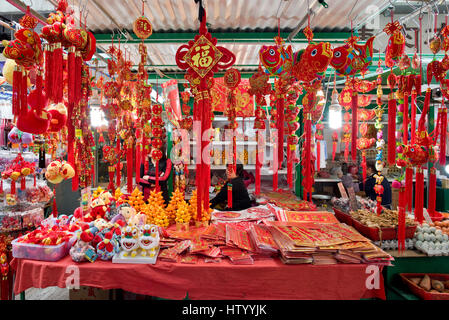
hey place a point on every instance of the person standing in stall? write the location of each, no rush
(148, 179)
(240, 196)
(370, 183)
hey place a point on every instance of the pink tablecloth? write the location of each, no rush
(266, 279)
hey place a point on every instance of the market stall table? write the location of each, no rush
(266, 279)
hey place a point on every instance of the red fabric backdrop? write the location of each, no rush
(245, 103)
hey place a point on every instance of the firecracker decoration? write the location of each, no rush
(231, 80)
(380, 143)
(6, 283)
(364, 143)
(278, 61)
(309, 66)
(259, 87)
(391, 120)
(292, 127)
(201, 58)
(156, 142)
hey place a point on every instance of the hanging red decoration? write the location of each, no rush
(201, 58)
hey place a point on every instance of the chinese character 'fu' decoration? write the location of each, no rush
(201, 58)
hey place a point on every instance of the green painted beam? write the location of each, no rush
(223, 37)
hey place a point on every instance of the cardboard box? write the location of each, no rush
(90, 293)
(394, 198)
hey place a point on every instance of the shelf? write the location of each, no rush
(221, 118)
(239, 143)
(263, 171)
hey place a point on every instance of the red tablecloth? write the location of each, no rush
(266, 279)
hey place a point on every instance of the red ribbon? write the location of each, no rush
(391, 131)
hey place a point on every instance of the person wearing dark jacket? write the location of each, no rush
(370, 182)
(240, 196)
(148, 179)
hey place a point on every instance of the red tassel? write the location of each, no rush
(118, 169)
(413, 118)
(71, 75)
(401, 220)
(229, 195)
(78, 69)
(129, 168)
(22, 183)
(1, 186)
(443, 136)
(409, 188)
(422, 118)
(39, 89)
(275, 165)
(391, 130)
(13, 187)
(334, 144)
(289, 167)
(24, 94)
(318, 155)
(55, 209)
(137, 165)
(34, 182)
(405, 120)
(280, 126)
(419, 196)
(354, 105)
(111, 178)
(346, 151)
(307, 153)
(48, 70)
(259, 160)
(432, 192)
(58, 70)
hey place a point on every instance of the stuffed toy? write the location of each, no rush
(108, 247)
(149, 240)
(82, 250)
(350, 59)
(17, 136)
(277, 59)
(311, 63)
(129, 242)
(36, 119)
(58, 113)
(131, 216)
(58, 170)
(98, 210)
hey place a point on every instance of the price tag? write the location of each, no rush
(352, 199)
(342, 190)
(78, 133)
(426, 216)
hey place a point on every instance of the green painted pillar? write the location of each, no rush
(299, 177)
